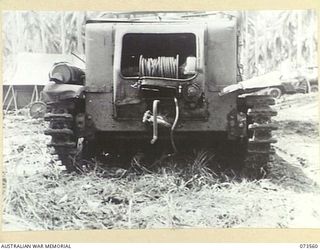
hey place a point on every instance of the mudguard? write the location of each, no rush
(254, 84)
(55, 92)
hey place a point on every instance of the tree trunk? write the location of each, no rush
(246, 44)
(19, 37)
(42, 35)
(79, 32)
(256, 48)
(63, 34)
(299, 39)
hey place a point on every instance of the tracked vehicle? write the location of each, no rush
(170, 82)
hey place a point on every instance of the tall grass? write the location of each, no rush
(175, 193)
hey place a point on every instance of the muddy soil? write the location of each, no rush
(298, 135)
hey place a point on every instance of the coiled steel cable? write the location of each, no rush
(167, 67)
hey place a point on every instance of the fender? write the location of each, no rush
(56, 91)
(254, 84)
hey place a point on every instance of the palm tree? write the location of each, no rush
(269, 37)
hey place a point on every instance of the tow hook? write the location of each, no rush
(155, 119)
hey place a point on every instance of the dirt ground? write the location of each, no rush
(298, 134)
(39, 195)
(298, 146)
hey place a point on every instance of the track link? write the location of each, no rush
(61, 129)
(260, 140)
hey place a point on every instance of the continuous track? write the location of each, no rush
(62, 131)
(260, 140)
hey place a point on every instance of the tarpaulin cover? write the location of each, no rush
(33, 68)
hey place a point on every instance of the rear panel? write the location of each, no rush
(141, 41)
(221, 54)
(99, 57)
(112, 99)
(100, 107)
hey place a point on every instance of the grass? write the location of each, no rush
(38, 195)
(54, 200)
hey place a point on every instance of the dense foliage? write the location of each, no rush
(268, 38)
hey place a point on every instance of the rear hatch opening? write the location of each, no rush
(162, 55)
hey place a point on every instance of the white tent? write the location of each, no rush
(31, 73)
(33, 68)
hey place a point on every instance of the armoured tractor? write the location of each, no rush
(170, 83)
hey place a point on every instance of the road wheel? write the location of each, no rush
(275, 92)
(314, 88)
(37, 109)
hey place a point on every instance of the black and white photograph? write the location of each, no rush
(160, 119)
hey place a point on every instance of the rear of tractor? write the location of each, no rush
(151, 83)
